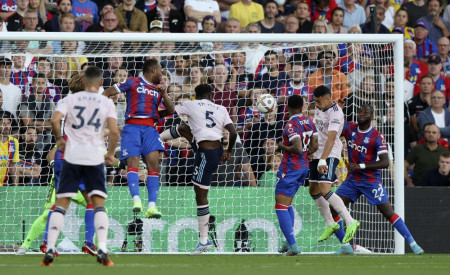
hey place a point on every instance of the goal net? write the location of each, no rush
(359, 69)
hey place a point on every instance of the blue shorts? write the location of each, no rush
(71, 174)
(330, 177)
(205, 164)
(289, 183)
(139, 140)
(375, 192)
(57, 166)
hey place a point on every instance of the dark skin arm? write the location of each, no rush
(231, 141)
(170, 106)
(313, 145)
(383, 162)
(295, 148)
(110, 92)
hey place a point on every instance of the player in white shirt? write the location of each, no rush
(329, 120)
(87, 114)
(207, 121)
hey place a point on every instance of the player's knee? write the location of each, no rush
(59, 209)
(99, 209)
(315, 196)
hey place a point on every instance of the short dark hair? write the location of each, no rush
(36, 76)
(270, 52)
(426, 125)
(93, 72)
(295, 102)
(202, 90)
(321, 91)
(337, 9)
(368, 107)
(5, 61)
(321, 55)
(270, 1)
(445, 154)
(149, 64)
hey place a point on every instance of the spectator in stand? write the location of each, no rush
(364, 95)
(240, 80)
(380, 18)
(439, 176)
(269, 24)
(53, 25)
(259, 161)
(443, 47)
(7, 9)
(198, 9)
(180, 73)
(209, 24)
(72, 48)
(270, 77)
(420, 102)
(321, 9)
(172, 19)
(44, 67)
(31, 25)
(9, 153)
(269, 178)
(30, 157)
(416, 9)
(113, 63)
(354, 13)
(237, 171)
(437, 26)
(194, 78)
(13, 119)
(246, 11)
(39, 6)
(12, 95)
(67, 24)
(424, 156)
(249, 114)
(147, 5)
(364, 66)
(291, 24)
(21, 75)
(414, 69)
(85, 12)
(441, 82)
(15, 21)
(401, 20)
(424, 46)
(437, 114)
(330, 77)
(389, 11)
(337, 18)
(108, 20)
(222, 93)
(61, 74)
(130, 18)
(302, 12)
(36, 110)
(232, 25)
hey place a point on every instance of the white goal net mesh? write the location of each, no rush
(242, 199)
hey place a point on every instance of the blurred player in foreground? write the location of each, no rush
(299, 141)
(367, 155)
(87, 114)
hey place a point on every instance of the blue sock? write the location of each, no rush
(341, 232)
(133, 181)
(400, 225)
(292, 215)
(89, 225)
(284, 219)
(46, 226)
(153, 185)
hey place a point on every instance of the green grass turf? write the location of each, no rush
(231, 264)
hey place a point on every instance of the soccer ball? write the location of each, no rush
(266, 103)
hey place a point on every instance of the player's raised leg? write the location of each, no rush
(346, 248)
(34, 232)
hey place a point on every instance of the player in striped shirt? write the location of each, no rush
(329, 120)
(367, 155)
(299, 141)
(139, 135)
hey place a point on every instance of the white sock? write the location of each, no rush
(136, 198)
(101, 228)
(324, 209)
(54, 227)
(338, 205)
(203, 227)
(151, 204)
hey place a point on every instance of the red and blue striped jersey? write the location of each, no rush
(8, 6)
(428, 47)
(298, 126)
(363, 147)
(247, 114)
(142, 98)
(22, 79)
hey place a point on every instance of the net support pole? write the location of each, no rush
(399, 141)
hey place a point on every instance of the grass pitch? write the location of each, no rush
(409, 264)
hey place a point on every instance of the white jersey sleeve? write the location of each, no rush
(330, 119)
(206, 119)
(86, 114)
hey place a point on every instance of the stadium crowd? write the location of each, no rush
(34, 76)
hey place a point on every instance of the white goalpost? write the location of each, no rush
(244, 217)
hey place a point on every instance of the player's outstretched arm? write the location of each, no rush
(382, 163)
(56, 128)
(170, 106)
(295, 148)
(111, 91)
(332, 135)
(231, 141)
(112, 140)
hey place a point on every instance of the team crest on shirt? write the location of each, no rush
(124, 152)
(11, 150)
(366, 140)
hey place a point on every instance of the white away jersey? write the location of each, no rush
(85, 121)
(330, 119)
(206, 119)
